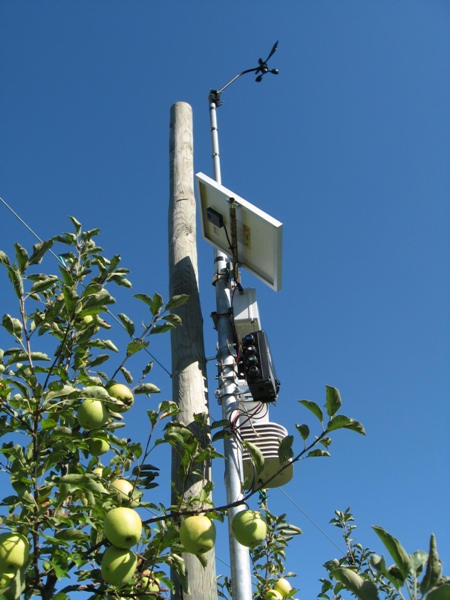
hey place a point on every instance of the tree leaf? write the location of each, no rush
(162, 328)
(157, 302)
(127, 323)
(314, 408)
(174, 319)
(12, 325)
(176, 301)
(144, 298)
(317, 453)
(285, 451)
(361, 588)
(44, 283)
(333, 400)
(433, 571)
(303, 431)
(147, 388)
(76, 224)
(136, 346)
(395, 549)
(16, 279)
(22, 257)
(440, 593)
(256, 456)
(38, 252)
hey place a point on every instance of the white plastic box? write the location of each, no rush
(246, 313)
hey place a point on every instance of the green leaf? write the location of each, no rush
(440, 593)
(136, 346)
(95, 392)
(12, 325)
(395, 549)
(434, 568)
(285, 451)
(4, 260)
(70, 298)
(43, 283)
(127, 323)
(256, 456)
(156, 304)
(127, 375)
(317, 453)
(147, 368)
(22, 257)
(39, 250)
(76, 224)
(303, 431)
(343, 422)
(147, 388)
(333, 400)
(361, 588)
(162, 328)
(98, 300)
(97, 343)
(16, 279)
(418, 559)
(174, 319)
(176, 301)
(144, 298)
(314, 408)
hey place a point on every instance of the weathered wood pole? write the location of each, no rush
(189, 385)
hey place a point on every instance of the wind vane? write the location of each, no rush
(260, 70)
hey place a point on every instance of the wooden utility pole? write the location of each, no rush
(189, 385)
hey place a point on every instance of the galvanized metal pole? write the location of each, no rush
(226, 393)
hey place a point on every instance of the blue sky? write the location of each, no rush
(348, 146)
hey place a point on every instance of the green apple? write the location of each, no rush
(249, 528)
(124, 490)
(123, 527)
(273, 595)
(148, 583)
(92, 414)
(283, 587)
(118, 565)
(120, 392)
(97, 445)
(14, 552)
(197, 534)
(98, 471)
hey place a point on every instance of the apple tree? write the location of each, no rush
(75, 517)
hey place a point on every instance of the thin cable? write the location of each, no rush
(30, 230)
(344, 553)
(62, 263)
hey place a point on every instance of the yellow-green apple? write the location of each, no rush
(98, 471)
(197, 534)
(14, 552)
(249, 528)
(282, 586)
(123, 527)
(97, 445)
(273, 595)
(148, 583)
(118, 565)
(92, 414)
(125, 490)
(121, 392)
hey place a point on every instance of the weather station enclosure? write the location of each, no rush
(226, 218)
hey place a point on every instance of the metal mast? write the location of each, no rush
(227, 390)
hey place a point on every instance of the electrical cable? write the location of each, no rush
(313, 522)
